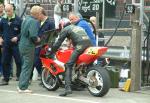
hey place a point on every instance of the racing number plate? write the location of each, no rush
(92, 51)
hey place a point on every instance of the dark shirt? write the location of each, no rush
(47, 25)
(10, 28)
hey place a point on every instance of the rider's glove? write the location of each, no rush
(49, 53)
(49, 50)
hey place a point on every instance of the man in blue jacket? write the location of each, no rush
(10, 26)
(77, 20)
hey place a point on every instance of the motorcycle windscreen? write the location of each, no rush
(91, 54)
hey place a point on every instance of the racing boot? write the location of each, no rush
(68, 76)
(66, 92)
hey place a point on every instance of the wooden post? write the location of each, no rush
(136, 52)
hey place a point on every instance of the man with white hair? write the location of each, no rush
(75, 19)
(29, 39)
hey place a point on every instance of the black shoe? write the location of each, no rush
(3, 82)
(66, 92)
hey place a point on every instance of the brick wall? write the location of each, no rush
(49, 6)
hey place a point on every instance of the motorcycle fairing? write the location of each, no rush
(88, 56)
(53, 67)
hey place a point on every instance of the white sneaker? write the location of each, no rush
(24, 91)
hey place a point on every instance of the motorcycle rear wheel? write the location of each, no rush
(99, 81)
(49, 81)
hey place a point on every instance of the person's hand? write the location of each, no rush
(1, 40)
(38, 39)
(14, 39)
(49, 53)
(69, 44)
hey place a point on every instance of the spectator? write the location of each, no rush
(46, 24)
(58, 13)
(10, 26)
(101, 61)
(1, 40)
(1, 10)
(28, 41)
(100, 35)
(75, 19)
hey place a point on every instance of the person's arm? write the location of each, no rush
(1, 33)
(35, 40)
(33, 32)
(19, 35)
(52, 25)
(1, 28)
(17, 38)
(62, 35)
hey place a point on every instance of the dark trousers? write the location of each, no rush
(0, 61)
(37, 62)
(10, 51)
(69, 65)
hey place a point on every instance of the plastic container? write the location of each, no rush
(114, 76)
(122, 82)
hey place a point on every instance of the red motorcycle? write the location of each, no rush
(94, 77)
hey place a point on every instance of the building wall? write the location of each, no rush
(111, 23)
(49, 6)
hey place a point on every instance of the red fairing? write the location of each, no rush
(49, 64)
(89, 55)
(64, 55)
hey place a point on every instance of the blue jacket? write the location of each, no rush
(48, 25)
(10, 28)
(82, 23)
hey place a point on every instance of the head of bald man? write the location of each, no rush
(9, 9)
(1, 8)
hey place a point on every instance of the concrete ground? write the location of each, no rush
(9, 94)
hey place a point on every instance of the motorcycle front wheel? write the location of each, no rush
(49, 81)
(99, 81)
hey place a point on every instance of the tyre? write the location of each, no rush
(99, 81)
(49, 81)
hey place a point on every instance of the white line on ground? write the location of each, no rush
(49, 96)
